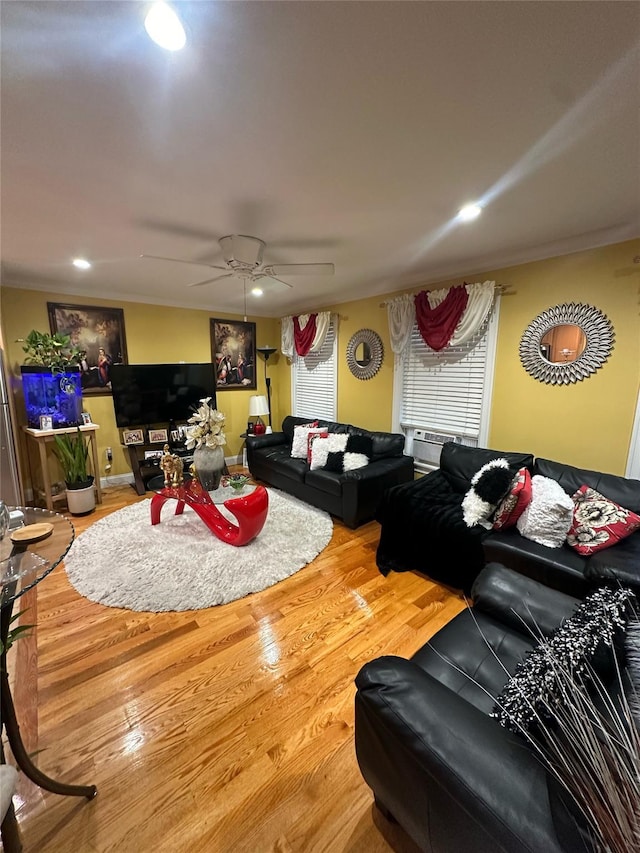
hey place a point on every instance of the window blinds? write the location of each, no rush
(443, 392)
(313, 381)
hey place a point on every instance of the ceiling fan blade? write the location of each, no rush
(273, 278)
(211, 280)
(299, 269)
(178, 229)
(182, 261)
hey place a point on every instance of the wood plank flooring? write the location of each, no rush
(219, 730)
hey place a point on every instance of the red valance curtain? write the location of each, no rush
(437, 325)
(304, 338)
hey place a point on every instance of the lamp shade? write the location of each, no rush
(258, 406)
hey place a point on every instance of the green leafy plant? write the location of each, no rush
(72, 452)
(53, 351)
(14, 633)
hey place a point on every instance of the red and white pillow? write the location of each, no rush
(299, 443)
(598, 522)
(515, 503)
(311, 437)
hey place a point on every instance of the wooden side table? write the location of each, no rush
(42, 436)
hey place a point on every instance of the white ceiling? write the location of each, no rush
(346, 132)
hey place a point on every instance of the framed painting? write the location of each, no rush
(233, 351)
(99, 332)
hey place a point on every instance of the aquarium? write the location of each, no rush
(58, 395)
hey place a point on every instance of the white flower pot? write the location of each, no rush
(81, 501)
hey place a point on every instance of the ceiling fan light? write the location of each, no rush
(81, 264)
(164, 27)
(469, 212)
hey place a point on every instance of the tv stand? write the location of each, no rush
(145, 469)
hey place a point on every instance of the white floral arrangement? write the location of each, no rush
(205, 428)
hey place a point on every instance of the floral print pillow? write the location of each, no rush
(598, 522)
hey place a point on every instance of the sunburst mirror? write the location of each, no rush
(364, 353)
(566, 343)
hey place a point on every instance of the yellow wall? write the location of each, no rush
(154, 333)
(586, 424)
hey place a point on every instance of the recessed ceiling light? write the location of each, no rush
(257, 291)
(81, 264)
(469, 212)
(164, 27)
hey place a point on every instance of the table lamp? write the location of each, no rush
(258, 406)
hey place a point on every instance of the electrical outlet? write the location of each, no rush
(109, 454)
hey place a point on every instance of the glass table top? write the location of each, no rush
(23, 565)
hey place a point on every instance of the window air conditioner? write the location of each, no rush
(427, 446)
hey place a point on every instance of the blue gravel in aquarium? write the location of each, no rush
(58, 395)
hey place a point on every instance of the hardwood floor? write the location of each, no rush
(219, 730)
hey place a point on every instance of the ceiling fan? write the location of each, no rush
(243, 258)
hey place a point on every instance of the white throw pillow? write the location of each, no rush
(322, 447)
(299, 443)
(548, 516)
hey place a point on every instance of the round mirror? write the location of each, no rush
(566, 343)
(563, 344)
(364, 353)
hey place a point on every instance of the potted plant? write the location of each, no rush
(51, 379)
(72, 453)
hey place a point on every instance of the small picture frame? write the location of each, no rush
(153, 454)
(132, 436)
(157, 435)
(46, 422)
(86, 418)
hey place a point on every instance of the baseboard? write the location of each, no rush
(116, 480)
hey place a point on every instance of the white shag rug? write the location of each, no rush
(124, 561)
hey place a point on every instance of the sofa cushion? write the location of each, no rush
(279, 459)
(622, 490)
(548, 516)
(325, 481)
(459, 463)
(320, 432)
(620, 564)
(357, 454)
(383, 444)
(299, 444)
(515, 503)
(559, 568)
(322, 447)
(598, 522)
(488, 487)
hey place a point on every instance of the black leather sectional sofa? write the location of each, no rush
(437, 762)
(353, 496)
(422, 527)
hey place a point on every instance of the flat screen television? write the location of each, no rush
(145, 394)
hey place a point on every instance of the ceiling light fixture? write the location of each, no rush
(257, 291)
(469, 212)
(81, 264)
(164, 27)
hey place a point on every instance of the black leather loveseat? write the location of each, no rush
(352, 496)
(422, 527)
(437, 762)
